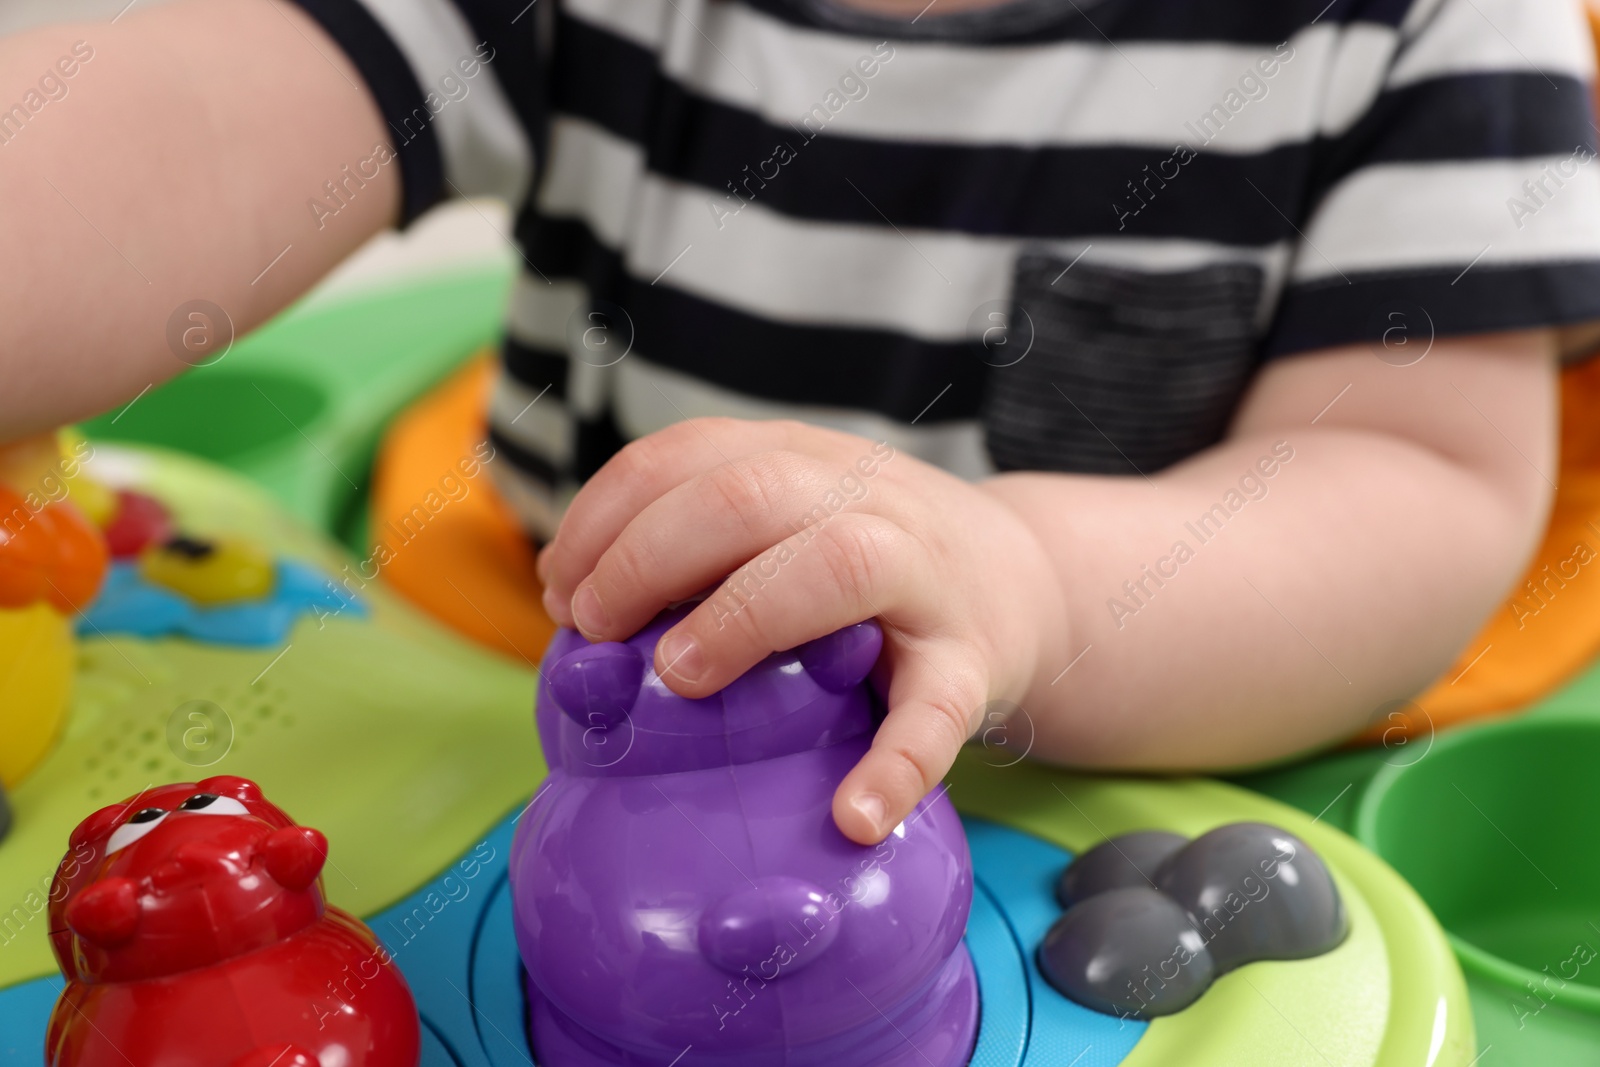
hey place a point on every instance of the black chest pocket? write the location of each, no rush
(1126, 371)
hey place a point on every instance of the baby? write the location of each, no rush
(1175, 382)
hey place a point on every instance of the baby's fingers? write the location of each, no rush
(813, 583)
(936, 691)
(631, 481)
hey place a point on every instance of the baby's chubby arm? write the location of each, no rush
(1413, 500)
(1370, 516)
(173, 164)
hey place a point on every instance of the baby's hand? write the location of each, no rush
(814, 530)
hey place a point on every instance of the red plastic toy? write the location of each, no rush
(191, 926)
(139, 522)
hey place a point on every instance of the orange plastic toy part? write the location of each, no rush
(52, 554)
(443, 537)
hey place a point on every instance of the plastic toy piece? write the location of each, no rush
(36, 668)
(210, 571)
(129, 604)
(50, 553)
(474, 571)
(1142, 940)
(136, 523)
(1256, 892)
(1124, 862)
(96, 500)
(24, 462)
(1131, 952)
(682, 896)
(190, 924)
(52, 562)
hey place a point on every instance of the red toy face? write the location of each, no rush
(179, 877)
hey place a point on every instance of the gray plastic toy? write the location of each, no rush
(1152, 919)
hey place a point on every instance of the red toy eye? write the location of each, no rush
(141, 823)
(212, 804)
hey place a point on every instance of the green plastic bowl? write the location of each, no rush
(226, 413)
(301, 405)
(1498, 828)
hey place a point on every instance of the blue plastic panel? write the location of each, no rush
(1020, 872)
(24, 1012)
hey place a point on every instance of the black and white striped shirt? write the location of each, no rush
(1055, 234)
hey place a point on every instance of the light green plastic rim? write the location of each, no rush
(1428, 1021)
(1479, 961)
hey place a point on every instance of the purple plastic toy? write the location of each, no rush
(682, 895)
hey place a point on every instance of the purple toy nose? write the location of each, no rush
(597, 684)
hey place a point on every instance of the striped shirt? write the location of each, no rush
(1053, 234)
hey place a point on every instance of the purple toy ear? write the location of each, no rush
(843, 658)
(597, 685)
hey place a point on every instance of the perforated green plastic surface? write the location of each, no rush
(401, 741)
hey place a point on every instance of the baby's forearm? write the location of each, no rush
(172, 164)
(1273, 593)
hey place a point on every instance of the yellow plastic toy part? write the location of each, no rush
(36, 642)
(48, 467)
(210, 572)
(94, 499)
(36, 660)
